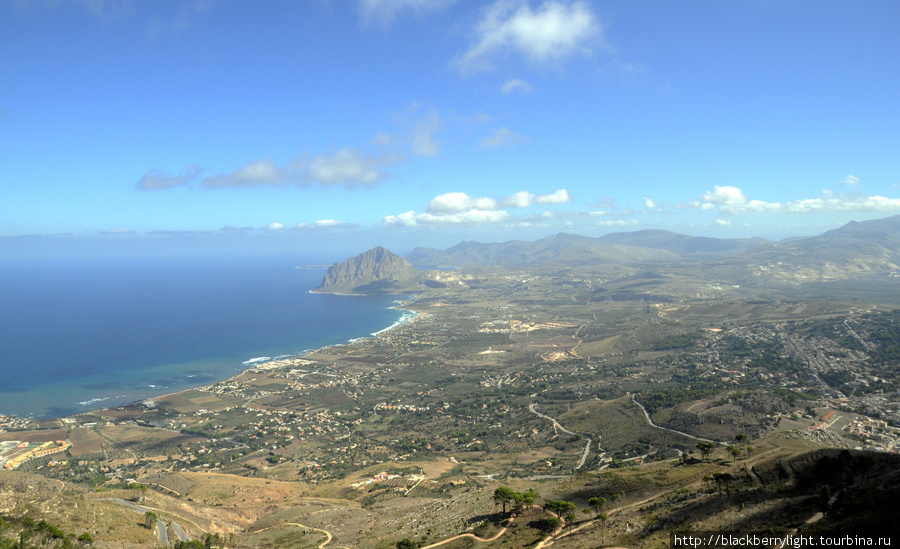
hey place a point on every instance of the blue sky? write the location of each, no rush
(341, 125)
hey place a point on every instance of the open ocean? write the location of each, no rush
(81, 335)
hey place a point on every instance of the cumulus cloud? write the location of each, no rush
(833, 202)
(733, 201)
(347, 167)
(457, 201)
(475, 216)
(324, 224)
(649, 204)
(501, 137)
(274, 226)
(154, 180)
(617, 223)
(553, 31)
(407, 219)
(262, 172)
(515, 85)
(850, 181)
(385, 11)
(560, 196)
(722, 222)
(521, 199)
(459, 207)
(725, 195)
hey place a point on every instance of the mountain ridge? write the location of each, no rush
(563, 249)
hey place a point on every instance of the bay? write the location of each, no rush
(77, 335)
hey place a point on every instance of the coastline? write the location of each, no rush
(255, 364)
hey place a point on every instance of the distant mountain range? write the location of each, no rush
(858, 249)
(573, 250)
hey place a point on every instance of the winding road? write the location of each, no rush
(161, 529)
(473, 536)
(587, 448)
(650, 421)
(162, 532)
(179, 532)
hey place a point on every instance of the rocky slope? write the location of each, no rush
(376, 271)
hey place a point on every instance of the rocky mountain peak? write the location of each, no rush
(375, 271)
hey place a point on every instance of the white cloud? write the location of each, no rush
(618, 223)
(722, 222)
(850, 181)
(324, 224)
(274, 226)
(457, 201)
(832, 202)
(726, 195)
(733, 201)
(649, 204)
(407, 219)
(515, 85)
(520, 199)
(474, 216)
(555, 30)
(458, 207)
(385, 11)
(470, 216)
(153, 180)
(501, 137)
(560, 196)
(263, 172)
(347, 167)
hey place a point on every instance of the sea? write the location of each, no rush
(78, 335)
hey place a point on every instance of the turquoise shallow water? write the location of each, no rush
(78, 335)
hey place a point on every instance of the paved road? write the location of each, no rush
(556, 423)
(179, 532)
(162, 532)
(137, 508)
(587, 447)
(160, 525)
(650, 421)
